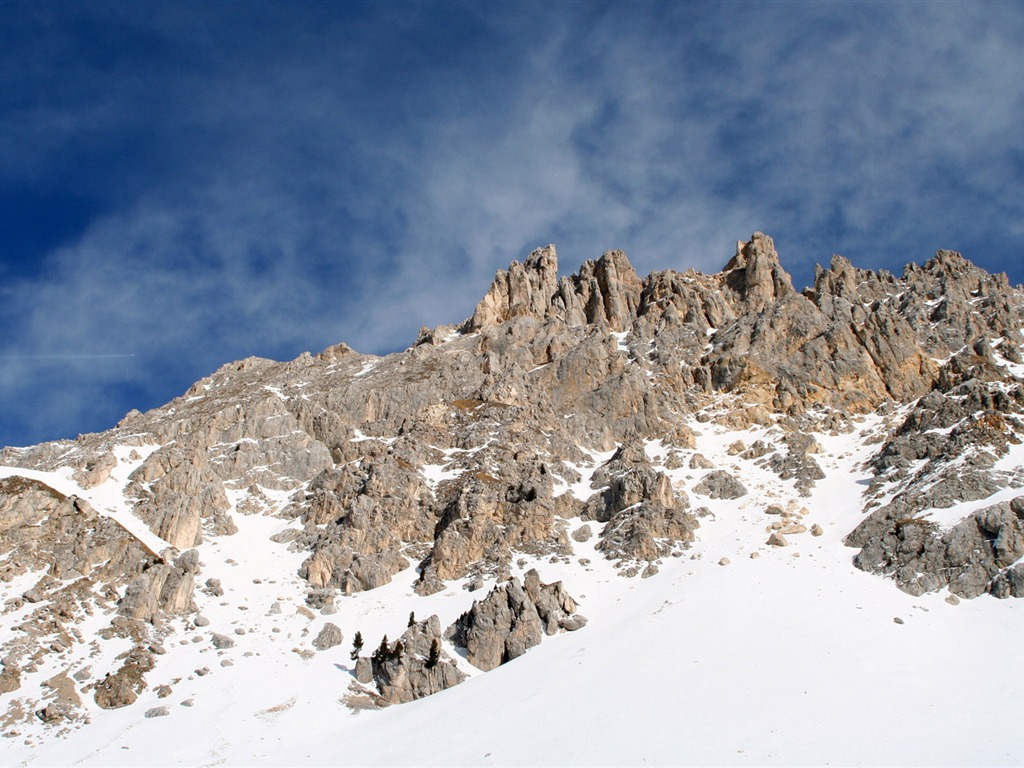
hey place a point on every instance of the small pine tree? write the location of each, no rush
(357, 645)
(398, 649)
(412, 618)
(435, 654)
(383, 650)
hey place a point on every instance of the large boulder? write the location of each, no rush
(414, 666)
(513, 618)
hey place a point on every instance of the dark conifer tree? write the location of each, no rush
(383, 650)
(357, 645)
(435, 654)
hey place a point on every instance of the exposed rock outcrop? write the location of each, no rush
(124, 686)
(513, 618)
(415, 665)
(162, 588)
(970, 558)
(483, 444)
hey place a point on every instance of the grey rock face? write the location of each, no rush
(163, 588)
(409, 669)
(512, 619)
(329, 636)
(720, 485)
(455, 455)
(646, 517)
(970, 558)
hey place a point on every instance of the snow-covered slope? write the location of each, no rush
(782, 656)
(768, 511)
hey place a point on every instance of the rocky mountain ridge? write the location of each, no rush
(564, 410)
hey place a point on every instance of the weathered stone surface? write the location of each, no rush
(162, 588)
(968, 558)
(415, 665)
(525, 289)
(457, 455)
(329, 636)
(124, 686)
(720, 485)
(510, 620)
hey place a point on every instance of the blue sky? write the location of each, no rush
(185, 184)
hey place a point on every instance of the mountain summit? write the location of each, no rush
(577, 438)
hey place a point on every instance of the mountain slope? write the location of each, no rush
(689, 455)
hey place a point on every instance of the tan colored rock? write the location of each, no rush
(511, 620)
(524, 290)
(414, 666)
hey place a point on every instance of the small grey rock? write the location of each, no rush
(364, 670)
(572, 623)
(158, 712)
(329, 637)
(583, 533)
(719, 484)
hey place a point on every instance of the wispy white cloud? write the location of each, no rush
(299, 174)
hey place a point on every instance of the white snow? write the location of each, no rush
(368, 366)
(277, 391)
(950, 516)
(107, 498)
(581, 489)
(792, 658)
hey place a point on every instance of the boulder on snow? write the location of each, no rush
(328, 637)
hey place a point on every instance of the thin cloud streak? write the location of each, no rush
(68, 356)
(293, 176)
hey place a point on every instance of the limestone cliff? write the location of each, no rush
(581, 403)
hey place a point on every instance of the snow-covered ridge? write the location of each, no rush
(696, 502)
(107, 498)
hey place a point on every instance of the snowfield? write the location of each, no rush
(773, 656)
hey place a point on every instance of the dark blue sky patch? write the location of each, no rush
(197, 182)
(34, 223)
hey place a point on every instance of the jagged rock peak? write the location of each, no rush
(604, 292)
(525, 289)
(756, 275)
